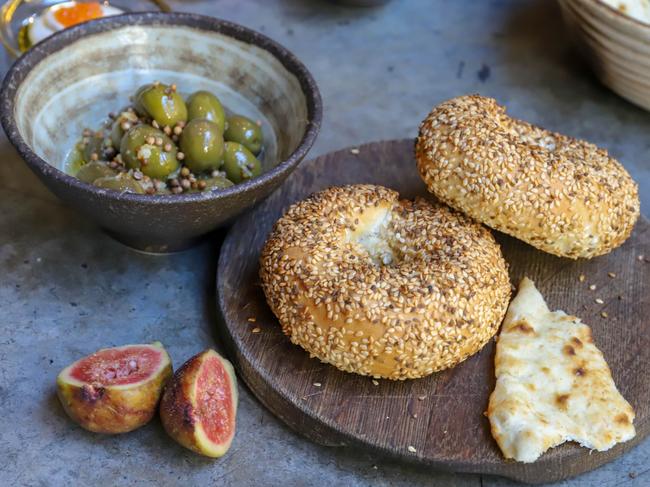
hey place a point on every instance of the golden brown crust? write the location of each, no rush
(383, 287)
(562, 195)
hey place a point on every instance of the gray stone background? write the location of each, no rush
(67, 289)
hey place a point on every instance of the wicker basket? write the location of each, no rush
(616, 46)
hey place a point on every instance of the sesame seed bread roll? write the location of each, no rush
(383, 287)
(562, 195)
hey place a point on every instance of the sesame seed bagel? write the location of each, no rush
(562, 195)
(382, 287)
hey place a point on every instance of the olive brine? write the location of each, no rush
(163, 144)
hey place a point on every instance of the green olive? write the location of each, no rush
(161, 103)
(202, 144)
(88, 173)
(245, 131)
(75, 159)
(93, 147)
(123, 182)
(150, 150)
(204, 104)
(217, 182)
(125, 119)
(239, 163)
(135, 99)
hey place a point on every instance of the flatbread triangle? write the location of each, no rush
(553, 384)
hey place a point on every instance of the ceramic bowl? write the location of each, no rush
(74, 78)
(615, 45)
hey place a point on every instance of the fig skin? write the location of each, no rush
(178, 411)
(113, 409)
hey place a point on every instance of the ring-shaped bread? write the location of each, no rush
(562, 195)
(384, 287)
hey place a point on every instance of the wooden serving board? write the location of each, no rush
(440, 416)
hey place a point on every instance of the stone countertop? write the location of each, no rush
(67, 289)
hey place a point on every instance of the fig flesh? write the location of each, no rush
(115, 390)
(199, 405)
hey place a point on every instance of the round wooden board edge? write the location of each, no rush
(325, 434)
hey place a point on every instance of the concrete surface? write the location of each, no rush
(67, 289)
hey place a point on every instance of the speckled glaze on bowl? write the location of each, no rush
(615, 45)
(74, 78)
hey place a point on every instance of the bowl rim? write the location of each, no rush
(21, 68)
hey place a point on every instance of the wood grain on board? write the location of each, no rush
(440, 416)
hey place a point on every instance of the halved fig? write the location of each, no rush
(115, 390)
(199, 405)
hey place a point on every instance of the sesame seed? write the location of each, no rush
(358, 308)
(354, 151)
(611, 274)
(375, 383)
(592, 287)
(524, 180)
(252, 319)
(317, 384)
(600, 301)
(412, 449)
(256, 330)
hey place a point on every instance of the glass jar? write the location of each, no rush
(16, 15)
